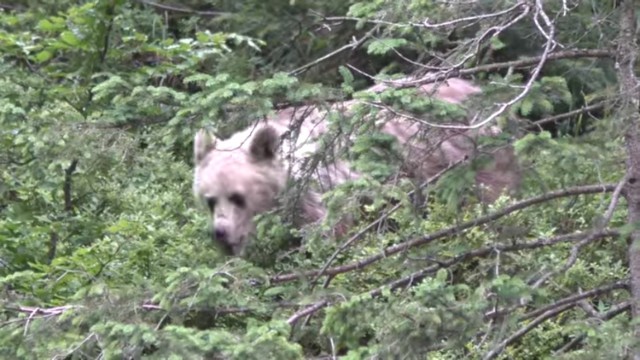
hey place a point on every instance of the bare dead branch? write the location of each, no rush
(10, 7)
(214, 311)
(484, 252)
(616, 310)
(498, 349)
(184, 10)
(36, 313)
(573, 257)
(542, 313)
(419, 275)
(516, 64)
(391, 250)
(452, 72)
(622, 284)
(426, 24)
(307, 311)
(453, 69)
(610, 314)
(540, 13)
(70, 353)
(585, 109)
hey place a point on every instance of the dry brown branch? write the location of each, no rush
(391, 250)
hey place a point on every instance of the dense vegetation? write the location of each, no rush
(105, 254)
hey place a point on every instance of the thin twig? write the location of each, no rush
(424, 23)
(475, 17)
(549, 46)
(351, 46)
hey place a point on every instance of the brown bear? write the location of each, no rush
(245, 174)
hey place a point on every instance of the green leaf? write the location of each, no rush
(43, 56)
(496, 44)
(383, 46)
(274, 291)
(526, 107)
(69, 38)
(46, 25)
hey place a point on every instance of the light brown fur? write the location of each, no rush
(257, 163)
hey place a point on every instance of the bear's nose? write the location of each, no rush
(220, 234)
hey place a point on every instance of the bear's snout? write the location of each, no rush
(226, 241)
(220, 234)
(220, 237)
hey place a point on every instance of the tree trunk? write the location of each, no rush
(630, 119)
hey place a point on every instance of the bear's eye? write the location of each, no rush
(211, 203)
(237, 200)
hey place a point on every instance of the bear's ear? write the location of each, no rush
(202, 144)
(265, 143)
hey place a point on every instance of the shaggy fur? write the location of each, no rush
(244, 175)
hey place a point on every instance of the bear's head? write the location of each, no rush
(237, 179)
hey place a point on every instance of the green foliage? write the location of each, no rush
(545, 96)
